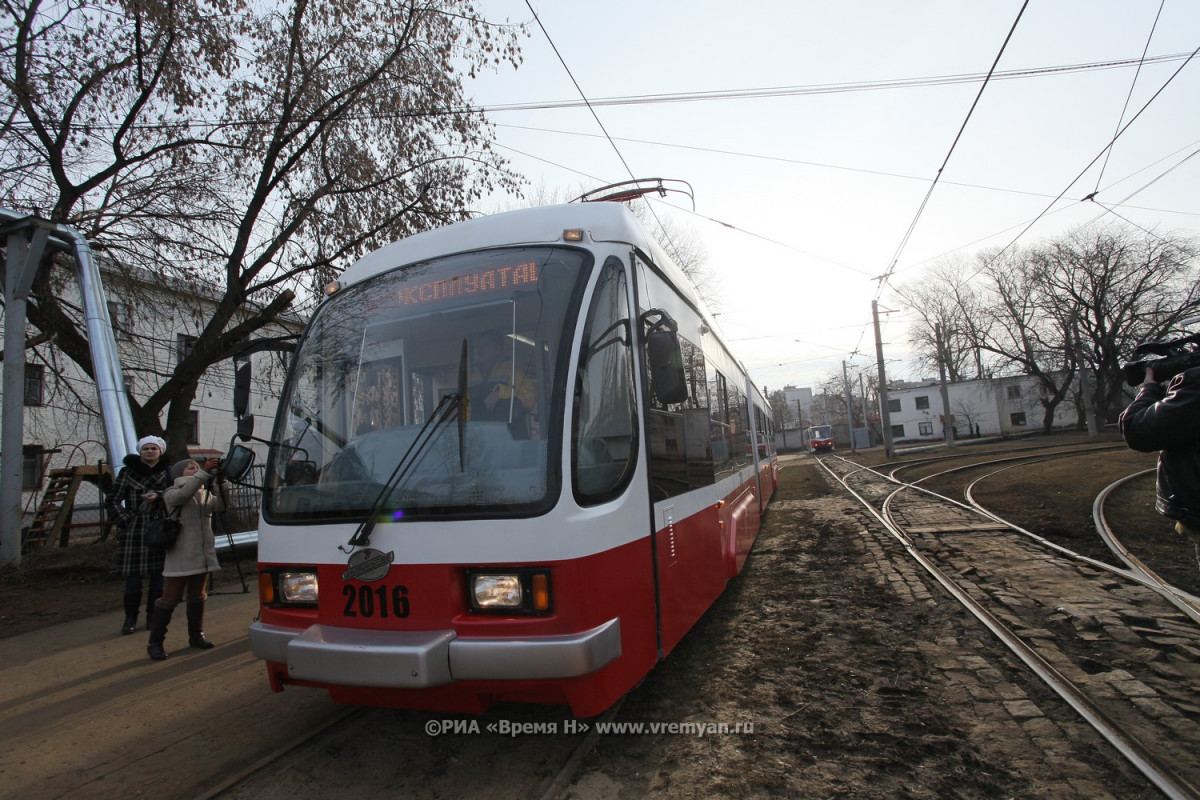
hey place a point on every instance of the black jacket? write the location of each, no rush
(1170, 422)
(132, 515)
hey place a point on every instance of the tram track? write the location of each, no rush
(1090, 631)
(1135, 568)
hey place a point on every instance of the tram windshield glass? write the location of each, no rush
(374, 411)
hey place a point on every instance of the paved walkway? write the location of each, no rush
(85, 713)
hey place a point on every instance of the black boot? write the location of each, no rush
(195, 616)
(150, 605)
(158, 629)
(132, 603)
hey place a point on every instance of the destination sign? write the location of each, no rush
(479, 281)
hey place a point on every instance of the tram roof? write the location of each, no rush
(601, 222)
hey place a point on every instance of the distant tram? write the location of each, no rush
(820, 438)
(512, 462)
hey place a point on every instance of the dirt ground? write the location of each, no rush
(61, 584)
(56, 584)
(854, 682)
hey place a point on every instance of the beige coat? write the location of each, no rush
(194, 552)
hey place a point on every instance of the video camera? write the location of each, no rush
(1173, 356)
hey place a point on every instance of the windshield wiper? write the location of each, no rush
(448, 405)
(314, 421)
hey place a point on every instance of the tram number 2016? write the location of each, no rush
(369, 601)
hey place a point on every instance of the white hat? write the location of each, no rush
(154, 440)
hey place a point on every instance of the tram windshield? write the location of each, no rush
(379, 358)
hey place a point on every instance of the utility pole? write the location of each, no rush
(947, 425)
(800, 423)
(1085, 388)
(849, 410)
(885, 417)
(26, 244)
(862, 399)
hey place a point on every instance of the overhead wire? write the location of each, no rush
(1092, 163)
(1129, 95)
(929, 193)
(822, 89)
(666, 233)
(579, 88)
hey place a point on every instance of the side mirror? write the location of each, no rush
(241, 390)
(668, 382)
(238, 462)
(245, 427)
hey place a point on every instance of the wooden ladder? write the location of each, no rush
(58, 500)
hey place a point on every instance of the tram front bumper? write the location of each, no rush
(420, 659)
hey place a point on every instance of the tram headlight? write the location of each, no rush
(496, 591)
(298, 587)
(524, 590)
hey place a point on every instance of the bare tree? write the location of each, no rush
(1111, 287)
(1084, 298)
(1022, 334)
(254, 148)
(947, 297)
(781, 410)
(683, 244)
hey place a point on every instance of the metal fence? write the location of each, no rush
(239, 522)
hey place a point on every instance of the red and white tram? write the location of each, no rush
(820, 438)
(511, 462)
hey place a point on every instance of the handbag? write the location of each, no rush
(163, 531)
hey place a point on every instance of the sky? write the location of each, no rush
(804, 198)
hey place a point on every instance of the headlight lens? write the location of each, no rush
(298, 587)
(525, 590)
(496, 591)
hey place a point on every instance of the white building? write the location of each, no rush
(799, 403)
(61, 414)
(995, 407)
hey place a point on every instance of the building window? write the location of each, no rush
(1018, 418)
(193, 427)
(184, 344)
(893, 406)
(35, 384)
(925, 428)
(121, 315)
(33, 458)
(898, 431)
(128, 380)
(923, 403)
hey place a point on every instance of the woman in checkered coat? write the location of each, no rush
(135, 499)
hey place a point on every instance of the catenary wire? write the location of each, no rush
(1091, 163)
(929, 193)
(1129, 96)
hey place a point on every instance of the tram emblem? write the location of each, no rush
(368, 565)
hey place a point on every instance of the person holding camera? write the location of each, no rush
(135, 500)
(197, 492)
(1169, 421)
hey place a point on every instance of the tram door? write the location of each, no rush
(685, 528)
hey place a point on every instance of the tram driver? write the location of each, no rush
(492, 391)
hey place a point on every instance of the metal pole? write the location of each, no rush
(1085, 389)
(24, 255)
(947, 424)
(849, 410)
(885, 417)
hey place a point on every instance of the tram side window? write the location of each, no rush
(730, 425)
(681, 455)
(739, 426)
(719, 421)
(604, 434)
(766, 433)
